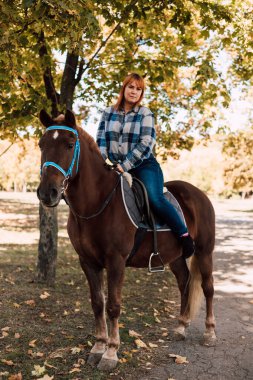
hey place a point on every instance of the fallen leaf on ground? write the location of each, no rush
(44, 295)
(75, 370)
(7, 328)
(46, 377)
(140, 344)
(32, 343)
(179, 359)
(46, 364)
(7, 362)
(17, 335)
(38, 370)
(123, 360)
(75, 350)
(5, 373)
(30, 302)
(4, 335)
(134, 334)
(16, 305)
(17, 376)
(58, 353)
(152, 345)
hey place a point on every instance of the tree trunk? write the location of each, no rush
(47, 250)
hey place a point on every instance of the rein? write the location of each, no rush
(106, 202)
(67, 174)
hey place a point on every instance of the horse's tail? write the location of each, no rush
(195, 289)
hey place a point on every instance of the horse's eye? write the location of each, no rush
(71, 145)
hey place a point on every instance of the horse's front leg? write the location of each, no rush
(115, 277)
(95, 280)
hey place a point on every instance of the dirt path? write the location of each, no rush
(64, 320)
(232, 358)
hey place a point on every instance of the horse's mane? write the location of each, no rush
(91, 142)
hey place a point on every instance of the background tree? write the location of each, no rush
(238, 171)
(173, 43)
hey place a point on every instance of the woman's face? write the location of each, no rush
(132, 92)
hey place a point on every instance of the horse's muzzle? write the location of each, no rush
(49, 196)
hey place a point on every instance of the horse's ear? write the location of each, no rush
(70, 119)
(46, 119)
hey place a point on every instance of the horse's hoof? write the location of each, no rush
(209, 340)
(179, 333)
(94, 359)
(107, 364)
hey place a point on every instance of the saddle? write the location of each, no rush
(137, 206)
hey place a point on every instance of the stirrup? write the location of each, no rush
(160, 268)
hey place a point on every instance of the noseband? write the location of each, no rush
(75, 158)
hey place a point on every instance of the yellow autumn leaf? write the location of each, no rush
(4, 335)
(75, 350)
(16, 305)
(179, 359)
(152, 345)
(134, 334)
(30, 302)
(44, 295)
(7, 328)
(123, 360)
(17, 335)
(32, 343)
(140, 344)
(38, 370)
(75, 370)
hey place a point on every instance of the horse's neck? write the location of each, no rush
(93, 183)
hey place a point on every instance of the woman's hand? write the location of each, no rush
(119, 168)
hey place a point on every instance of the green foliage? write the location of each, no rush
(238, 172)
(173, 43)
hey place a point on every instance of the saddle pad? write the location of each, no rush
(133, 212)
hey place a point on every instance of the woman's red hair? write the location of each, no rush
(129, 78)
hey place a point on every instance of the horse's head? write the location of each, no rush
(60, 151)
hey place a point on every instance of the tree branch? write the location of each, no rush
(1, 154)
(80, 72)
(104, 42)
(47, 75)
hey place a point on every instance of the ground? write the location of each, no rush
(46, 333)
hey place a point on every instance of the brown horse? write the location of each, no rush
(103, 235)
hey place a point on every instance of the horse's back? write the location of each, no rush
(197, 208)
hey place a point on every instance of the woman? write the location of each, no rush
(126, 135)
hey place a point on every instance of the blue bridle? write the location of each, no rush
(76, 154)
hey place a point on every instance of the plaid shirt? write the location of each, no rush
(126, 138)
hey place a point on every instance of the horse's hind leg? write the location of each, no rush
(181, 272)
(95, 280)
(206, 267)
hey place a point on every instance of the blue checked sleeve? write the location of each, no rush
(144, 147)
(101, 140)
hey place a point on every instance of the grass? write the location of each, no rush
(53, 327)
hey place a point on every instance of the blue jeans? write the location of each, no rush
(150, 173)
